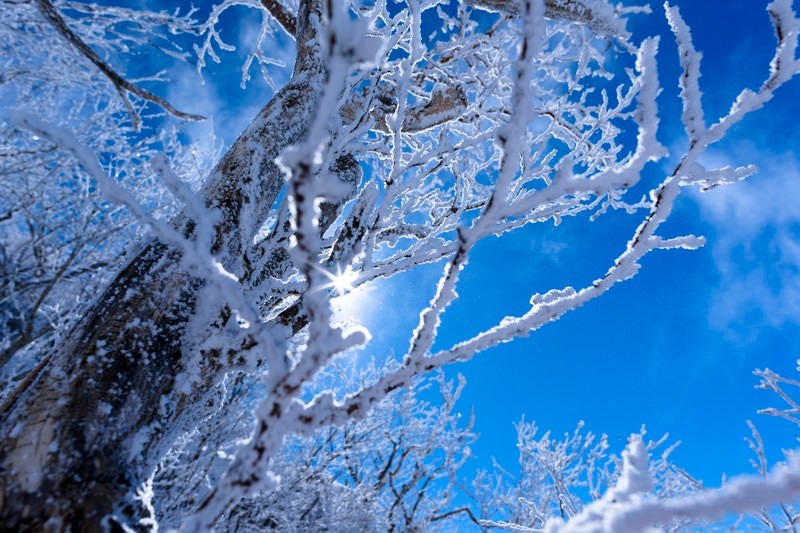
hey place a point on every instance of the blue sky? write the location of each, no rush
(675, 347)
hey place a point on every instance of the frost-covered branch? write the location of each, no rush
(775, 382)
(628, 507)
(122, 85)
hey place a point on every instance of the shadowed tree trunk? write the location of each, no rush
(81, 430)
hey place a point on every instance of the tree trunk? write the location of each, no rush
(86, 430)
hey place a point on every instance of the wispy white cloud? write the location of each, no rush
(188, 91)
(217, 91)
(756, 248)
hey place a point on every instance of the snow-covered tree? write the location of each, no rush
(406, 134)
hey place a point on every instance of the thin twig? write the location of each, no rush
(465, 510)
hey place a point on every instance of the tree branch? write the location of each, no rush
(122, 85)
(598, 15)
(466, 510)
(282, 15)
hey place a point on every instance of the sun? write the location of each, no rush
(343, 281)
(352, 301)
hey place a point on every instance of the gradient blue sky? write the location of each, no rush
(675, 347)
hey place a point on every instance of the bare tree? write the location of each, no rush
(389, 148)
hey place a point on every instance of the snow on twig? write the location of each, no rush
(690, 79)
(783, 67)
(628, 506)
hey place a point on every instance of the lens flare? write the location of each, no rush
(342, 282)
